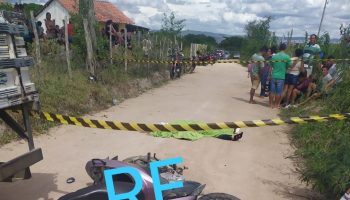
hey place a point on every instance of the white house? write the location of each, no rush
(104, 10)
(58, 12)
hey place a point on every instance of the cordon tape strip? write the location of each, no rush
(116, 125)
(217, 61)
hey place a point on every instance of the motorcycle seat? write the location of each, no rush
(188, 188)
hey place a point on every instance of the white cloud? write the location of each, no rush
(259, 7)
(148, 11)
(230, 16)
(240, 18)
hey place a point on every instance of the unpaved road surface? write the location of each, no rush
(254, 168)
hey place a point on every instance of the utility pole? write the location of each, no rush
(324, 9)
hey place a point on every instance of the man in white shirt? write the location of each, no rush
(346, 196)
(333, 71)
(321, 89)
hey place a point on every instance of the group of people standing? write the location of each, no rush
(117, 37)
(283, 78)
(53, 31)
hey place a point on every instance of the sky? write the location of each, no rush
(230, 16)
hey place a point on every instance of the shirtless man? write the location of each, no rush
(50, 26)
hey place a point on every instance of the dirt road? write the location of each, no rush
(253, 168)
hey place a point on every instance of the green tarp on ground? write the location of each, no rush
(194, 135)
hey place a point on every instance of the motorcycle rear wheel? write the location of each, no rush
(172, 74)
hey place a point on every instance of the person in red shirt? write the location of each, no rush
(70, 28)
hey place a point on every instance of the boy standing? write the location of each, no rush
(257, 65)
(279, 63)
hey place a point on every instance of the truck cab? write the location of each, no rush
(17, 92)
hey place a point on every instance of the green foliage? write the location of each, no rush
(325, 147)
(78, 96)
(6, 6)
(31, 7)
(27, 7)
(234, 43)
(345, 33)
(59, 93)
(258, 30)
(84, 7)
(79, 44)
(324, 42)
(326, 151)
(273, 40)
(258, 34)
(199, 39)
(172, 26)
(345, 40)
(306, 37)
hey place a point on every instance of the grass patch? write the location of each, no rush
(78, 96)
(324, 148)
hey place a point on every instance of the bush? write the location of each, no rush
(325, 147)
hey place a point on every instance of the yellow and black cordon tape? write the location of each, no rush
(217, 61)
(116, 125)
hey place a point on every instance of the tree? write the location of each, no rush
(86, 10)
(259, 30)
(258, 34)
(234, 43)
(345, 40)
(199, 39)
(306, 37)
(324, 41)
(345, 33)
(6, 6)
(273, 40)
(172, 26)
(27, 7)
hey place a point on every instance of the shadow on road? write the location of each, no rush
(247, 101)
(292, 192)
(38, 188)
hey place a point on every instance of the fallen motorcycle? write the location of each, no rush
(123, 183)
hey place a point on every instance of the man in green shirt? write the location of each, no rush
(258, 64)
(279, 63)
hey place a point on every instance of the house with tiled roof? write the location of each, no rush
(104, 10)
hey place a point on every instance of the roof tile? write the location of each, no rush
(104, 10)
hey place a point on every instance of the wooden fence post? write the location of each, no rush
(37, 44)
(160, 49)
(110, 44)
(67, 46)
(138, 37)
(125, 49)
(90, 58)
